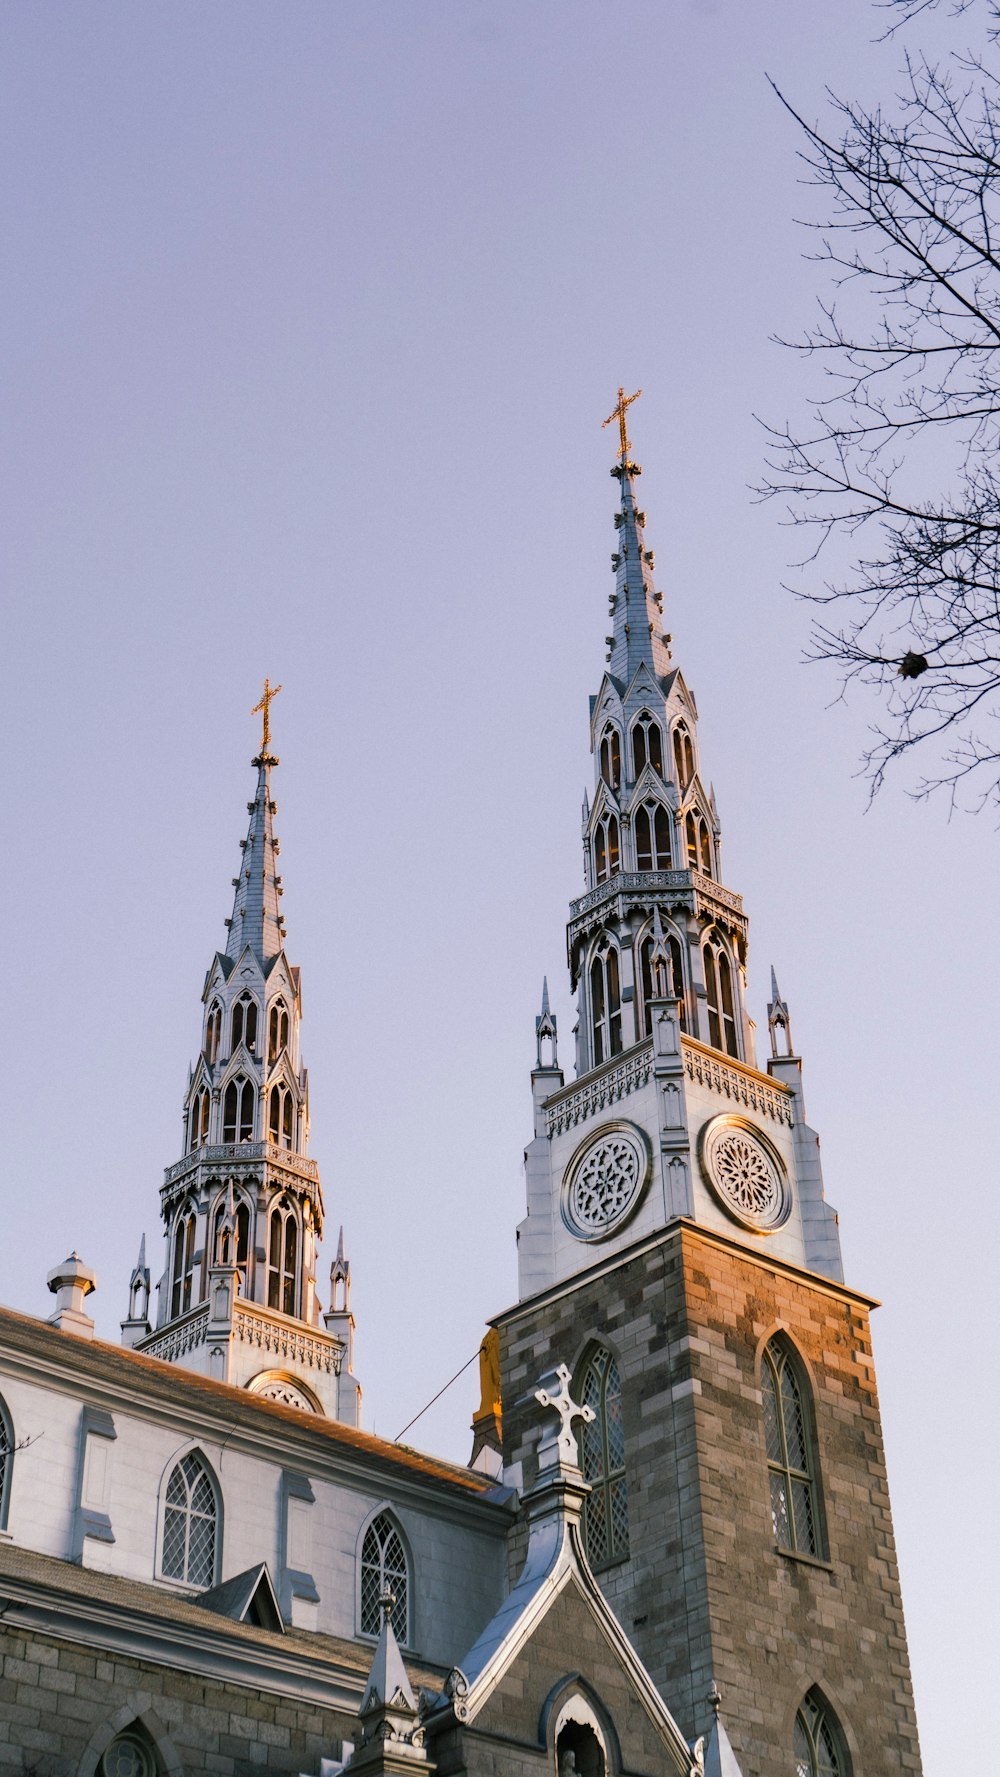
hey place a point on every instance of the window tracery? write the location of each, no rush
(384, 1565)
(213, 1031)
(610, 757)
(605, 1002)
(722, 1031)
(789, 1444)
(282, 1257)
(818, 1744)
(607, 848)
(602, 1455)
(646, 978)
(277, 1031)
(6, 1461)
(130, 1754)
(199, 1118)
(281, 1114)
(244, 1023)
(183, 1268)
(652, 837)
(683, 755)
(699, 842)
(190, 1524)
(225, 1252)
(239, 1110)
(647, 745)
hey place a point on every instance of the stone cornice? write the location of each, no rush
(737, 1081)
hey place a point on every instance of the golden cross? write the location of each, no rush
(618, 413)
(270, 693)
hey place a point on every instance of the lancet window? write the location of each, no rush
(607, 848)
(245, 1023)
(610, 756)
(683, 756)
(226, 1252)
(699, 843)
(277, 1031)
(384, 1565)
(190, 1524)
(789, 1442)
(818, 1743)
(652, 837)
(722, 1032)
(200, 1107)
(6, 1461)
(602, 1454)
(183, 1267)
(647, 745)
(283, 1258)
(213, 1032)
(605, 1002)
(646, 978)
(238, 1110)
(281, 1116)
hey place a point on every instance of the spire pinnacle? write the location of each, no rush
(546, 1032)
(637, 637)
(256, 919)
(618, 413)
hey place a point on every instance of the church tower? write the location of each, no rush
(243, 1208)
(679, 1254)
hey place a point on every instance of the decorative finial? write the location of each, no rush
(545, 996)
(270, 693)
(618, 413)
(715, 1698)
(559, 1449)
(386, 1604)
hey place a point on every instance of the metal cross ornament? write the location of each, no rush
(618, 413)
(270, 693)
(560, 1448)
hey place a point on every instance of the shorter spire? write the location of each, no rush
(392, 1738)
(545, 1032)
(340, 1279)
(778, 1019)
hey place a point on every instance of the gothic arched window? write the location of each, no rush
(183, 1269)
(611, 757)
(190, 1524)
(130, 1754)
(223, 1254)
(683, 756)
(6, 1461)
(721, 1003)
(239, 1106)
(282, 1258)
(384, 1564)
(244, 1023)
(647, 745)
(199, 1119)
(602, 1449)
(213, 1031)
(605, 1003)
(699, 843)
(652, 837)
(281, 1111)
(607, 848)
(789, 1443)
(818, 1743)
(277, 1033)
(646, 978)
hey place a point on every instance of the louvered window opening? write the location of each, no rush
(383, 1564)
(793, 1496)
(817, 1752)
(189, 1525)
(602, 1450)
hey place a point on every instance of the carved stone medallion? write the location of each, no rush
(745, 1173)
(604, 1181)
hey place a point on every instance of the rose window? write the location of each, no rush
(745, 1173)
(605, 1182)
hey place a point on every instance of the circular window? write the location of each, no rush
(128, 1756)
(604, 1181)
(271, 1387)
(745, 1173)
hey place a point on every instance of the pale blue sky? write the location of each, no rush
(311, 315)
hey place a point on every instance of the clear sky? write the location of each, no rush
(311, 313)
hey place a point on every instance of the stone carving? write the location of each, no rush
(600, 1091)
(172, 1345)
(745, 1173)
(735, 1083)
(605, 1181)
(287, 1394)
(287, 1342)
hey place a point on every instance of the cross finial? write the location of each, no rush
(559, 1449)
(618, 413)
(270, 693)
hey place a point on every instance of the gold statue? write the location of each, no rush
(618, 413)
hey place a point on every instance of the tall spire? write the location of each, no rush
(637, 636)
(256, 919)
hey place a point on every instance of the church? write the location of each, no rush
(671, 1553)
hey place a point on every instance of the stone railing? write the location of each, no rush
(741, 1085)
(320, 1351)
(176, 1341)
(605, 1087)
(221, 1153)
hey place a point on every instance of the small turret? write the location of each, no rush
(545, 1032)
(71, 1283)
(392, 1736)
(778, 1019)
(137, 1326)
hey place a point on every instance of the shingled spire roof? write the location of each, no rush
(256, 919)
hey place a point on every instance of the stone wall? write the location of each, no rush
(704, 1593)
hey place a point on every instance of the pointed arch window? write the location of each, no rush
(190, 1524)
(610, 756)
(281, 1116)
(646, 978)
(602, 1454)
(6, 1461)
(239, 1109)
(384, 1564)
(607, 848)
(699, 843)
(213, 1032)
(277, 1031)
(182, 1286)
(818, 1743)
(605, 1003)
(652, 837)
(647, 745)
(283, 1258)
(683, 756)
(244, 1023)
(199, 1119)
(788, 1438)
(224, 1253)
(722, 1033)
(130, 1754)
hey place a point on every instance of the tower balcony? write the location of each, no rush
(217, 1161)
(634, 891)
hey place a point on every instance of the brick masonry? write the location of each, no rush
(704, 1592)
